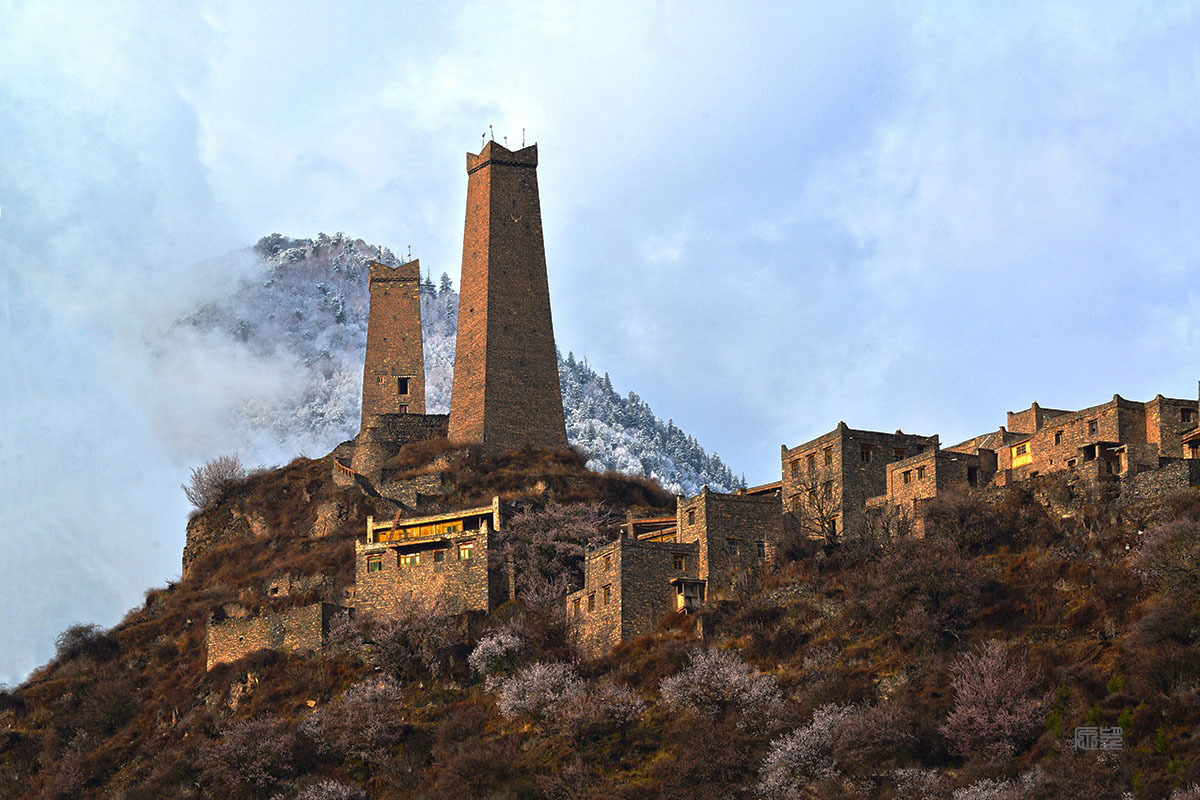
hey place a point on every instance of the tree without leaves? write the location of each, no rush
(535, 691)
(211, 480)
(717, 683)
(995, 712)
(548, 543)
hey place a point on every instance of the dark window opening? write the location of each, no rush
(761, 547)
(1093, 427)
(898, 454)
(920, 473)
(1058, 437)
(828, 455)
(908, 476)
(607, 594)
(864, 453)
(678, 561)
(1187, 414)
(402, 385)
(403, 409)
(973, 475)
(375, 564)
(439, 556)
(691, 516)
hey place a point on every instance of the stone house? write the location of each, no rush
(1117, 440)
(827, 481)
(443, 558)
(672, 564)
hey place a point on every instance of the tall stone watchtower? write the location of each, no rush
(506, 390)
(394, 370)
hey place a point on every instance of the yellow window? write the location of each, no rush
(1021, 455)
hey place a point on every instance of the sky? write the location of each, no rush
(763, 218)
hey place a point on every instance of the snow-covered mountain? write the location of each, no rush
(307, 300)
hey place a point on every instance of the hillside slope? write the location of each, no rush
(956, 666)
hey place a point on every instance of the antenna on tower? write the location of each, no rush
(522, 137)
(380, 259)
(482, 139)
(506, 141)
(410, 252)
(492, 132)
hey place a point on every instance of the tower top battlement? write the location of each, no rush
(408, 271)
(494, 153)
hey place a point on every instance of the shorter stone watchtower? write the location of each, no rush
(394, 369)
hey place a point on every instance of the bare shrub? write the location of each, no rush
(345, 635)
(81, 640)
(212, 479)
(601, 708)
(716, 683)
(1168, 556)
(803, 755)
(912, 783)
(256, 754)
(417, 642)
(497, 655)
(331, 790)
(927, 589)
(360, 723)
(73, 769)
(537, 690)
(995, 713)
(873, 736)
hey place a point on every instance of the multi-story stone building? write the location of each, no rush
(827, 481)
(443, 558)
(1120, 440)
(665, 565)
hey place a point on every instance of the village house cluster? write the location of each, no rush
(506, 394)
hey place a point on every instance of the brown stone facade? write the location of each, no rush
(628, 588)
(1141, 445)
(661, 566)
(394, 368)
(735, 534)
(1124, 436)
(506, 388)
(829, 480)
(443, 560)
(301, 629)
(914, 480)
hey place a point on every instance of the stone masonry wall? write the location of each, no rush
(455, 584)
(299, 629)
(386, 434)
(846, 467)
(734, 533)
(626, 591)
